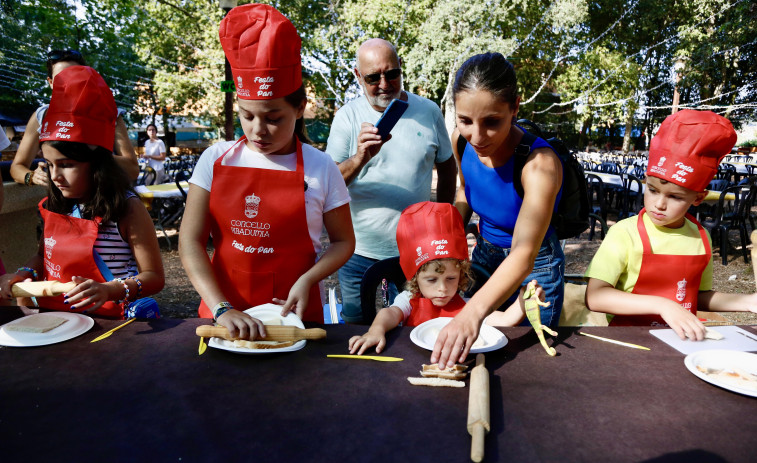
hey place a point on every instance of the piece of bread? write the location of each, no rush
(39, 323)
(435, 382)
(262, 344)
(709, 333)
(433, 371)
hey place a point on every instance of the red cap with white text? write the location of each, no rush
(263, 49)
(688, 148)
(428, 231)
(82, 109)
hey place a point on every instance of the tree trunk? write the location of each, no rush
(630, 111)
(448, 104)
(585, 129)
(165, 130)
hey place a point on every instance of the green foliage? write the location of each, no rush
(602, 64)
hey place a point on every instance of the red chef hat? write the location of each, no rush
(82, 109)
(263, 49)
(688, 148)
(428, 231)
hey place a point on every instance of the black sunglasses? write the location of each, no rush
(374, 79)
(63, 55)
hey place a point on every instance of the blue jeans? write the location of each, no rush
(548, 271)
(350, 275)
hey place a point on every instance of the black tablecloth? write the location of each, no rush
(145, 394)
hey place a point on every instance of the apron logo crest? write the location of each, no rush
(49, 244)
(251, 204)
(681, 292)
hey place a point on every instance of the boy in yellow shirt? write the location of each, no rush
(655, 269)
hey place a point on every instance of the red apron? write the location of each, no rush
(260, 234)
(673, 277)
(69, 246)
(423, 309)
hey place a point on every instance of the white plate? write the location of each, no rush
(77, 324)
(723, 360)
(263, 313)
(424, 335)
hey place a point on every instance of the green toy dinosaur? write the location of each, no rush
(532, 303)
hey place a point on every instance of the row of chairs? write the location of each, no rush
(171, 167)
(729, 215)
(168, 212)
(625, 200)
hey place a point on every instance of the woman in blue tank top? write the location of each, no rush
(516, 241)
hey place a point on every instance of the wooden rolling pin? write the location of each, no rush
(753, 237)
(478, 408)
(273, 333)
(41, 288)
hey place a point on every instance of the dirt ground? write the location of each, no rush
(179, 299)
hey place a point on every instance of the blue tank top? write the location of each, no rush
(492, 195)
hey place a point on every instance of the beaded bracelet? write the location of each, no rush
(220, 309)
(30, 270)
(126, 290)
(139, 286)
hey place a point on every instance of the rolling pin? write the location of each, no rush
(753, 237)
(478, 408)
(273, 333)
(41, 288)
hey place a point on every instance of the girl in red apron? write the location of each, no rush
(89, 199)
(265, 198)
(683, 158)
(434, 258)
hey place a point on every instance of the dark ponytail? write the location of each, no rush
(490, 72)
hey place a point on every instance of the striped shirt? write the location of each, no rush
(115, 251)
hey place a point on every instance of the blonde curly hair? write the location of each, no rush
(466, 275)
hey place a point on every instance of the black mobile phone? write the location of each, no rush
(391, 115)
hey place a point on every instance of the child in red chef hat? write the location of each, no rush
(434, 258)
(266, 197)
(97, 232)
(656, 268)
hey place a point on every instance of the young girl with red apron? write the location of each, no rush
(260, 234)
(428, 231)
(69, 251)
(679, 281)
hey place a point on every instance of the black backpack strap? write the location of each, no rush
(461, 142)
(521, 155)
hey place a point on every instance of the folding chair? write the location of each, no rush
(147, 176)
(723, 220)
(597, 205)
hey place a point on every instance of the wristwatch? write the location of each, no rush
(28, 178)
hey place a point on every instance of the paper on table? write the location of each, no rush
(734, 338)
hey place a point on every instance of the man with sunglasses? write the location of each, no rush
(385, 176)
(126, 157)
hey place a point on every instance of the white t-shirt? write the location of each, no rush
(154, 148)
(326, 189)
(398, 176)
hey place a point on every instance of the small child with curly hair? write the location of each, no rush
(434, 258)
